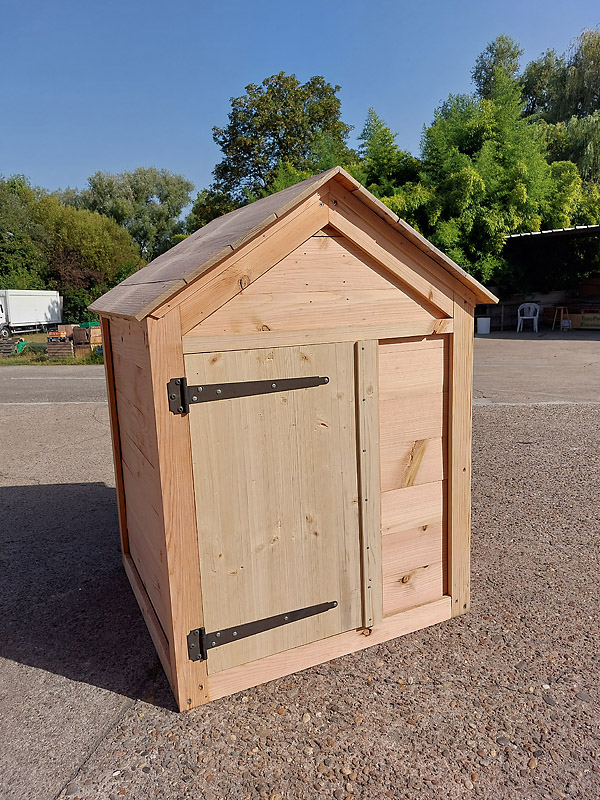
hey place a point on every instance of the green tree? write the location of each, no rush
(500, 56)
(146, 202)
(279, 121)
(22, 239)
(543, 85)
(385, 165)
(557, 88)
(577, 140)
(86, 254)
(485, 175)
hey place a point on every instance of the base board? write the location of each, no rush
(154, 627)
(243, 677)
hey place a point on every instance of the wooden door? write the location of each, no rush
(277, 497)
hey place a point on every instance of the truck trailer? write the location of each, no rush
(26, 310)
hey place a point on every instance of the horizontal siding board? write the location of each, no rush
(403, 509)
(413, 417)
(413, 462)
(296, 311)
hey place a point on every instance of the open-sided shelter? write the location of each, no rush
(290, 400)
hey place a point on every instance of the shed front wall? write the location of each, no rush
(331, 289)
(338, 294)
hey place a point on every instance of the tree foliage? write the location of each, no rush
(46, 244)
(557, 88)
(502, 56)
(278, 121)
(146, 202)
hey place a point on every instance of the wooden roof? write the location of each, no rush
(144, 291)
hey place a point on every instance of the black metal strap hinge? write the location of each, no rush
(199, 642)
(181, 396)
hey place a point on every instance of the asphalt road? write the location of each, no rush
(502, 703)
(52, 385)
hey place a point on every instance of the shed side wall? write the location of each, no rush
(155, 628)
(143, 502)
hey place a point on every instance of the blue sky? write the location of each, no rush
(105, 85)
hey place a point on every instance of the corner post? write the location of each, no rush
(459, 456)
(189, 678)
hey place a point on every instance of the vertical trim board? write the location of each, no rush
(179, 511)
(367, 412)
(459, 457)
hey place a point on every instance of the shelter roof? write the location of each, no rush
(144, 291)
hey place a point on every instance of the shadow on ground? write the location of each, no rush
(65, 602)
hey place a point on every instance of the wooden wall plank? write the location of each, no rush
(251, 313)
(128, 339)
(149, 614)
(367, 412)
(459, 448)
(412, 462)
(404, 509)
(188, 678)
(146, 544)
(194, 343)
(419, 417)
(412, 370)
(137, 425)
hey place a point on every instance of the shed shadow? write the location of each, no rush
(65, 602)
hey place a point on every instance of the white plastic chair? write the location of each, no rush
(528, 311)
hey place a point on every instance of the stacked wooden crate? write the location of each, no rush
(60, 350)
(8, 347)
(95, 336)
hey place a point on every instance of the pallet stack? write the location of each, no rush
(8, 347)
(60, 350)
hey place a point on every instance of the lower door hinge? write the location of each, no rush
(199, 642)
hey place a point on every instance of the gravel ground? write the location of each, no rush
(501, 703)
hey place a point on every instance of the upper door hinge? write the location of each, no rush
(181, 396)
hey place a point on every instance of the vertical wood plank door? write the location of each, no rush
(277, 497)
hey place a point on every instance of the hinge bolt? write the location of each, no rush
(326, 380)
(180, 409)
(178, 381)
(172, 397)
(273, 386)
(234, 633)
(218, 391)
(194, 398)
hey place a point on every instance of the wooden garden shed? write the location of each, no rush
(290, 400)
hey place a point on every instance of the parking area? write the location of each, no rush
(501, 703)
